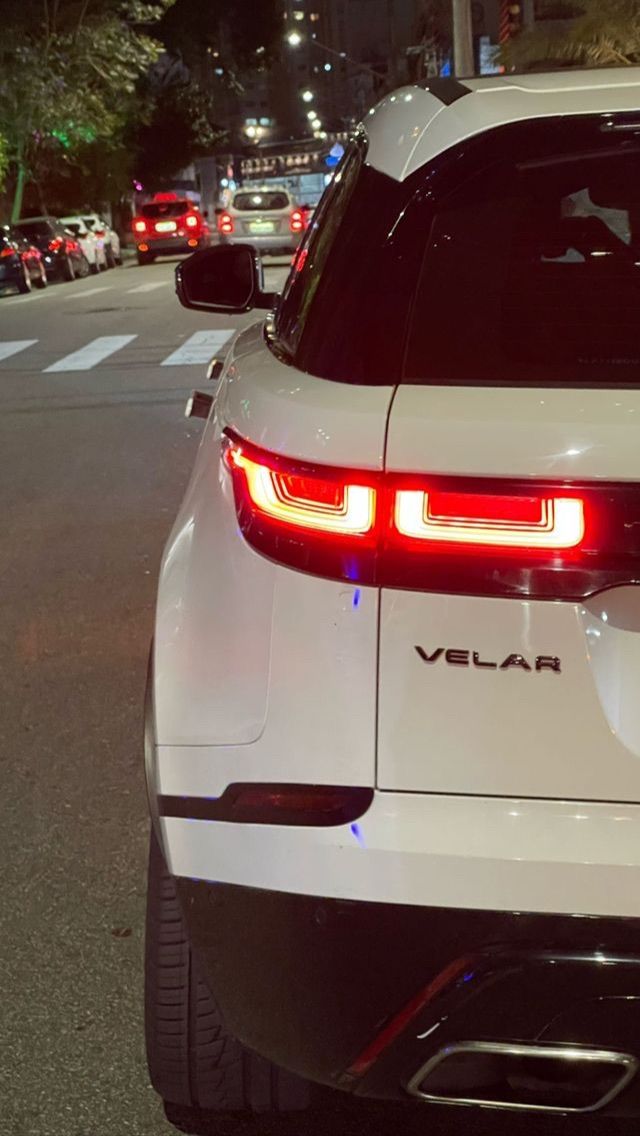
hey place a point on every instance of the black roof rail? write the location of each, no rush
(447, 90)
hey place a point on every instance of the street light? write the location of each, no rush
(294, 39)
(307, 96)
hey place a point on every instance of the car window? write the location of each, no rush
(157, 209)
(35, 228)
(344, 307)
(76, 228)
(259, 202)
(89, 222)
(537, 259)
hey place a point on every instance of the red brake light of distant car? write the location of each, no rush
(296, 221)
(99, 232)
(191, 221)
(139, 226)
(165, 197)
(491, 520)
(303, 498)
(225, 223)
(56, 244)
(7, 252)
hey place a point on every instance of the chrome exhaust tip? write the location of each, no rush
(532, 1078)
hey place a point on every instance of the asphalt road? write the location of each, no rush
(93, 462)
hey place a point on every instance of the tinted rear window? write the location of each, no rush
(532, 275)
(35, 228)
(158, 209)
(74, 227)
(258, 202)
(513, 258)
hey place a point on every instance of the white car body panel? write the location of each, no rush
(516, 432)
(434, 851)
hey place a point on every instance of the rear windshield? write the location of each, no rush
(165, 209)
(74, 226)
(258, 202)
(89, 222)
(513, 258)
(34, 228)
(532, 275)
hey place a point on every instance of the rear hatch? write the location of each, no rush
(510, 626)
(262, 213)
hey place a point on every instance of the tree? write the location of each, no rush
(68, 70)
(600, 34)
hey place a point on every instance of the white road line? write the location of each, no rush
(13, 346)
(94, 352)
(88, 292)
(149, 287)
(198, 348)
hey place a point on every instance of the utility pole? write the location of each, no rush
(463, 62)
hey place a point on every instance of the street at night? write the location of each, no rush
(320, 567)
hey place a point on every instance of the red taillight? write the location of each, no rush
(500, 537)
(99, 232)
(296, 221)
(139, 226)
(304, 500)
(56, 244)
(225, 223)
(491, 520)
(7, 252)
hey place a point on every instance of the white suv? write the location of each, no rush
(393, 721)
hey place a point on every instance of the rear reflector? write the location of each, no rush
(317, 806)
(501, 522)
(469, 536)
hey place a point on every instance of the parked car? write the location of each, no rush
(168, 226)
(393, 740)
(108, 235)
(61, 252)
(21, 263)
(92, 246)
(266, 217)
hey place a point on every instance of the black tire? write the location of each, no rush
(193, 1060)
(145, 258)
(67, 271)
(23, 283)
(94, 268)
(42, 280)
(111, 260)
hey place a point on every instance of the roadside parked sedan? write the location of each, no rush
(105, 233)
(91, 245)
(21, 263)
(61, 251)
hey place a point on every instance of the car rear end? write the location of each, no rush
(11, 262)
(267, 219)
(169, 226)
(395, 743)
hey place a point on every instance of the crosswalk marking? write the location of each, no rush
(148, 287)
(13, 346)
(88, 292)
(198, 348)
(94, 352)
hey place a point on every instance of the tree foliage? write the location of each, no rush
(68, 72)
(600, 34)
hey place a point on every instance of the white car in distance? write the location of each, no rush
(91, 245)
(107, 236)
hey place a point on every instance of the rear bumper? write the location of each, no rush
(362, 995)
(176, 246)
(276, 242)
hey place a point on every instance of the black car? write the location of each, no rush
(21, 263)
(61, 252)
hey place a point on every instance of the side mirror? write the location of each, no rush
(225, 278)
